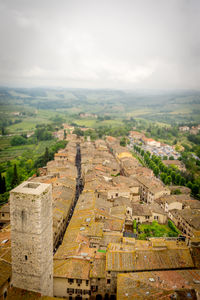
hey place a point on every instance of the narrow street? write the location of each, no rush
(79, 181)
(79, 188)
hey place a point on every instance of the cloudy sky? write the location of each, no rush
(123, 44)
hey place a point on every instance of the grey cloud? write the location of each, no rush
(107, 43)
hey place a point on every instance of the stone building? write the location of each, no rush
(187, 220)
(151, 189)
(71, 278)
(32, 237)
(5, 214)
(143, 213)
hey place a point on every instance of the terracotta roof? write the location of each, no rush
(141, 210)
(19, 294)
(153, 258)
(192, 216)
(119, 211)
(98, 268)
(174, 198)
(178, 284)
(111, 237)
(113, 224)
(5, 208)
(72, 268)
(5, 273)
(155, 208)
(61, 154)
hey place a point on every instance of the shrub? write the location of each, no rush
(172, 226)
(134, 224)
(4, 198)
(176, 192)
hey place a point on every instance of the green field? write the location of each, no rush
(12, 152)
(94, 123)
(29, 123)
(86, 122)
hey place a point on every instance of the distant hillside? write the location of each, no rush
(161, 106)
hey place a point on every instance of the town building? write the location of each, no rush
(151, 142)
(5, 214)
(151, 189)
(187, 220)
(184, 128)
(98, 190)
(176, 163)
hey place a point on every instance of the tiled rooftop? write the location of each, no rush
(130, 258)
(177, 284)
(72, 268)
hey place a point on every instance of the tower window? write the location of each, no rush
(5, 295)
(26, 257)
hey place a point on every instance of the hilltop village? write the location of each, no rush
(100, 193)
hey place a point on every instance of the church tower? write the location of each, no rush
(32, 237)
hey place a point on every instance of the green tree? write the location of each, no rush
(189, 184)
(156, 171)
(42, 133)
(169, 171)
(15, 179)
(195, 189)
(161, 166)
(78, 132)
(173, 175)
(65, 134)
(46, 155)
(2, 184)
(182, 181)
(123, 142)
(3, 131)
(172, 226)
(18, 140)
(177, 179)
(168, 180)
(163, 177)
(148, 153)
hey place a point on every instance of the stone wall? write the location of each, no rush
(32, 237)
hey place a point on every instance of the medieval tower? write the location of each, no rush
(32, 237)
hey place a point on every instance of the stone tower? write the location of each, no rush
(32, 237)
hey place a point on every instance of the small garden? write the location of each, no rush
(155, 230)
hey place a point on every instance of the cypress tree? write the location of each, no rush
(1, 184)
(65, 134)
(15, 179)
(46, 155)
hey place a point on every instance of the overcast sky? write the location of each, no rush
(100, 43)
